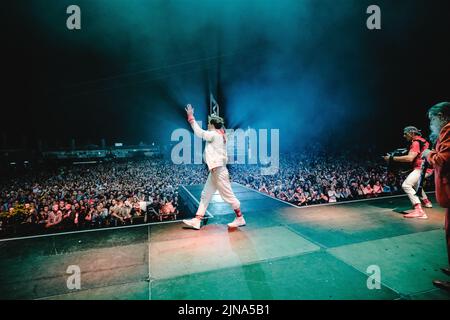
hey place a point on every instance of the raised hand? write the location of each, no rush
(189, 110)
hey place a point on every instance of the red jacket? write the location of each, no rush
(440, 160)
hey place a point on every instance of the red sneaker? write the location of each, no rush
(417, 213)
(427, 203)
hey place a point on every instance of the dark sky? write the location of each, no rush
(309, 68)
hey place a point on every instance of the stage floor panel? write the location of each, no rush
(173, 258)
(345, 225)
(315, 275)
(40, 276)
(407, 262)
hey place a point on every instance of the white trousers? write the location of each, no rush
(218, 180)
(410, 186)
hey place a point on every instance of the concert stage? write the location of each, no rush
(320, 252)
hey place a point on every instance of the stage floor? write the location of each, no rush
(284, 252)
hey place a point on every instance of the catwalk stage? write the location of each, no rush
(284, 252)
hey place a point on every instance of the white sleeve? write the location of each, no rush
(199, 132)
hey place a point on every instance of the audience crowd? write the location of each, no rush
(117, 193)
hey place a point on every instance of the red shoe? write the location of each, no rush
(417, 213)
(427, 203)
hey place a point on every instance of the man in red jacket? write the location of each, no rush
(439, 158)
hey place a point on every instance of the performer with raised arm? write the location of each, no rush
(218, 177)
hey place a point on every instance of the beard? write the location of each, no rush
(433, 138)
(435, 128)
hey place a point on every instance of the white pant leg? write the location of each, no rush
(410, 186)
(207, 193)
(424, 195)
(223, 184)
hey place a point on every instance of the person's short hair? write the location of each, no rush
(412, 129)
(216, 121)
(440, 109)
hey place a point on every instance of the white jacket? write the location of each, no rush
(215, 153)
